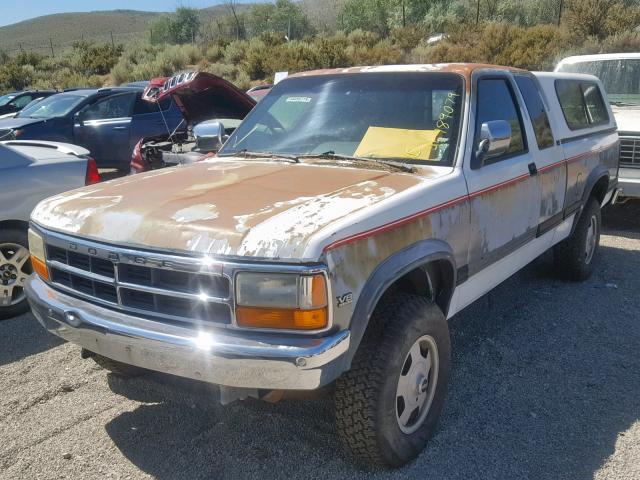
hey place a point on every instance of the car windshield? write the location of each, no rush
(409, 117)
(4, 99)
(620, 77)
(53, 106)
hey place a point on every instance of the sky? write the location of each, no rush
(26, 9)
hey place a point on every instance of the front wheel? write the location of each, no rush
(574, 257)
(15, 268)
(388, 404)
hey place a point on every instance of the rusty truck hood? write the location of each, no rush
(233, 207)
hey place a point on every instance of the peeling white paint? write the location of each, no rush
(194, 213)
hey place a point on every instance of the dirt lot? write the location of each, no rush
(546, 384)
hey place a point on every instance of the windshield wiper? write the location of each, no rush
(249, 154)
(336, 156)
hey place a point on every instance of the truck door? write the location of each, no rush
(548, 155)
(504, 192)
(104, 129)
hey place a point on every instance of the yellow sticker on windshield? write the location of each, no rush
(384, 142)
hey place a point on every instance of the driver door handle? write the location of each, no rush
(119, 128)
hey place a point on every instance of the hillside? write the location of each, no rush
(65, 28)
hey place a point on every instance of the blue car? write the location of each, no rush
(108, 122)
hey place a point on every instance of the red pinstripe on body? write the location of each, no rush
(423, 213)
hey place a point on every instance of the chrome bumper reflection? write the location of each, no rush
(266, 361)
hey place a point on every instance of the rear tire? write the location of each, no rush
(15, 267)
(117, 368)
(387, 406)
(574, 257)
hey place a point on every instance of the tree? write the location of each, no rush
(181, 27)
(600, 18)
(372, 15)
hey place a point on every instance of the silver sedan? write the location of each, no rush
(31, 171)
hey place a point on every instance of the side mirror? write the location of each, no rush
(495, 139)
(209, 136)
(78, 118)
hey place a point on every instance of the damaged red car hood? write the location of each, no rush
(202, 96)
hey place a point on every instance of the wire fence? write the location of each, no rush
(51, 47)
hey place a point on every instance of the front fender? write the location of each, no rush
(388, 272)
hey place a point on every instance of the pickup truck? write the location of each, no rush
(620, 75)
(349, 215)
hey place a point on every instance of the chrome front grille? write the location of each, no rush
(630, 151)
(164, 287)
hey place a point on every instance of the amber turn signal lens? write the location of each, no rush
(281, 318)
(40, 268)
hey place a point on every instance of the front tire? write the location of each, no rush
(15, 268)
(574, 257)
(388, 404)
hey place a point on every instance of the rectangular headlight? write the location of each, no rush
(38, 255)
(281, 300)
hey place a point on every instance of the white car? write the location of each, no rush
(31, 171)
(620, 74)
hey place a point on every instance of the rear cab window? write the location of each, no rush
(536, 109)
(581, 103)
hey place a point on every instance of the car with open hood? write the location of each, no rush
(106, 121)
(205, 101)
(350, 214)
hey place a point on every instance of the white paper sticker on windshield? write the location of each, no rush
(299, 99)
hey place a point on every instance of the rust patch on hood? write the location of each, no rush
(225, 207)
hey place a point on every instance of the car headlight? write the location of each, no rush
(281, 300)
(38, 256)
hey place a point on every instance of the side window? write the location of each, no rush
(535, 107)
(582, 103)
(496, 102)
(116, 106)
(142, 106)
(22, 102)
(596, 110)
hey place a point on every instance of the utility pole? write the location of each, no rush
(404, 20)
(478, 13)
(51, 45)
(560, 12)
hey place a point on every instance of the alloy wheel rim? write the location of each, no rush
(15, 268)
(417, 384)
(591, 240)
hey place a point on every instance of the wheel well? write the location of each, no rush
(17, 224)
(599, 190)
(434, 280)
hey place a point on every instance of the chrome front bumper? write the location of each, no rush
(247, 360)
(629, 182)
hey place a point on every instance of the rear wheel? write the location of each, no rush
(388, 404)
(15, 268)
(574, 257)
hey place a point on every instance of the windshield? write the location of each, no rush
(4, 99)
(408, 117)
(54, 106)
(621, 77)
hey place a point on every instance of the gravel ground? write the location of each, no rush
(546, 384)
